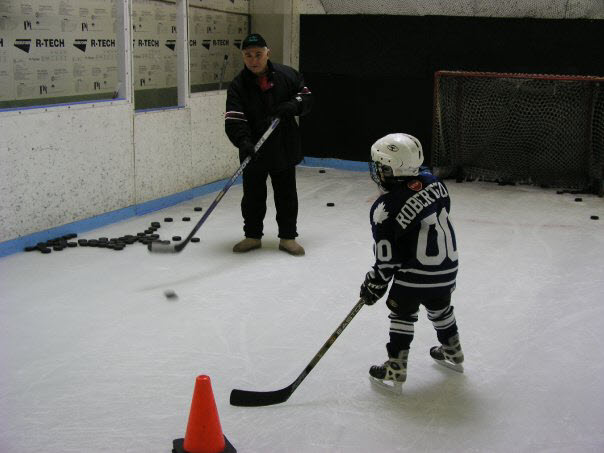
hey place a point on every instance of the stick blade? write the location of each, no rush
(161, 247)
(253, 399)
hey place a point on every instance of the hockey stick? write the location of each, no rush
(161, 247)
(250, 398)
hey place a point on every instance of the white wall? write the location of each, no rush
(176, 150)
(63, 164)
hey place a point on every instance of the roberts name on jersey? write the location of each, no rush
(416, 203)
(414, 238)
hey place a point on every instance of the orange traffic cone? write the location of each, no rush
(204, 433)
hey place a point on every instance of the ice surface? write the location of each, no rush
(94, 357)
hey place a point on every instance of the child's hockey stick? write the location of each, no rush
(161, 247)
(250, 398)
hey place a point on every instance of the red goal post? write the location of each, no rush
(545, 129)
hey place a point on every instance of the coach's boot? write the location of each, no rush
(291, 246)
(246, 245)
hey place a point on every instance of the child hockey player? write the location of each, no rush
(414, 247)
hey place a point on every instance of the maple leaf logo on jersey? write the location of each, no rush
(415, 185)
(380, 214)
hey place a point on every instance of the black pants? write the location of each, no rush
(253, 204)
(403, 316)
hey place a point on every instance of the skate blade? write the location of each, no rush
(395, 387)
(452, 366)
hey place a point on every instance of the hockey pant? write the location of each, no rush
(404, 315)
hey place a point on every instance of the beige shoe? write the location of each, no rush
(246, 245)
(291, 246)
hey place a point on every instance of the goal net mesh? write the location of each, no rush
(526, 128)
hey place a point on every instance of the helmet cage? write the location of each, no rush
(382, 175)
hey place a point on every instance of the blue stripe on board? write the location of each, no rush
(92, 223)
(335, 163)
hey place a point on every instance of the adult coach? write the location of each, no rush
(262, 91)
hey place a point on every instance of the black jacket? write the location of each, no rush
(249, 112)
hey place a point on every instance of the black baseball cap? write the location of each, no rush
(253, 40)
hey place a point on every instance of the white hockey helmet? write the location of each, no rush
(397, 155)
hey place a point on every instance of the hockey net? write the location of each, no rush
(526, 128)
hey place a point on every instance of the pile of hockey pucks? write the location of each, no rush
(117, 243)
(57, 244)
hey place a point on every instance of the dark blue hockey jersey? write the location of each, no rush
(414, 239)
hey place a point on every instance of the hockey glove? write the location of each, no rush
(287, 109)
(372, 289)
(247, 149)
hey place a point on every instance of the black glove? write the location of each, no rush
(287, 109)
(247, 149)
(372, 289)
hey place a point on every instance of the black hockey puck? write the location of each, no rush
(58, 248)
(194, 239)
(321, 171)
(578, 199)
(155, 224)
(70, 236)
(176, 238)
(197, 208)
(594, 217)
(103, 239)
(30, 248)
(93, 243)
(560, 192)
(72, 244)
(45, 250)
(170, 294)
(168, 219)
(186, 219)
(83, 242)
(330, 204)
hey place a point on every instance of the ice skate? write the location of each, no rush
(246, 245)
(449, 355)
(391, 374)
